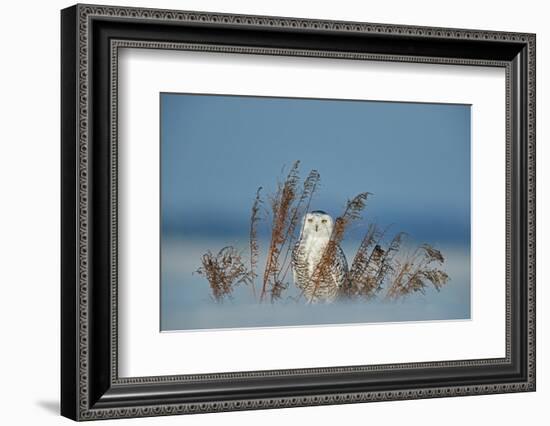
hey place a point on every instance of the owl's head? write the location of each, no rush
(317, 224)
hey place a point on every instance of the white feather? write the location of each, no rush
(314, 236)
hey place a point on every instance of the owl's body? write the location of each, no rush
(307, 253)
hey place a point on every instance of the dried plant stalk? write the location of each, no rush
(364, 263)
(387, 261)
(353, 210)
(253, 239)
(277, 290)
(417, 271)
(370, 267)
(224, 271)
(280, 206)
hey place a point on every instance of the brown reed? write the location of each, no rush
(224, 271)
(415, 272)
(365, 265)
(281, 204)
(253, 239)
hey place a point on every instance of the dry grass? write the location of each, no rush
(253, 239)
(417, 271)
(366, 265)
(224, 271)
(375, 267)
(281, 205)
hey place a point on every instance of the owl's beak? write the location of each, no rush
(316, 228)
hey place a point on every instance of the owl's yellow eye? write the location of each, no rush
(324, 220)
(310, 220)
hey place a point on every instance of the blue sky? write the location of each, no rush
(414, 158)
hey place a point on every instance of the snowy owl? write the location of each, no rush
(314, 236)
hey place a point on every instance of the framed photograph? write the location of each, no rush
(263, 212)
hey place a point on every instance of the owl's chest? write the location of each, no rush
(312, 250)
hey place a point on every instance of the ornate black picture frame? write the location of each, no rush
(91, 387)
